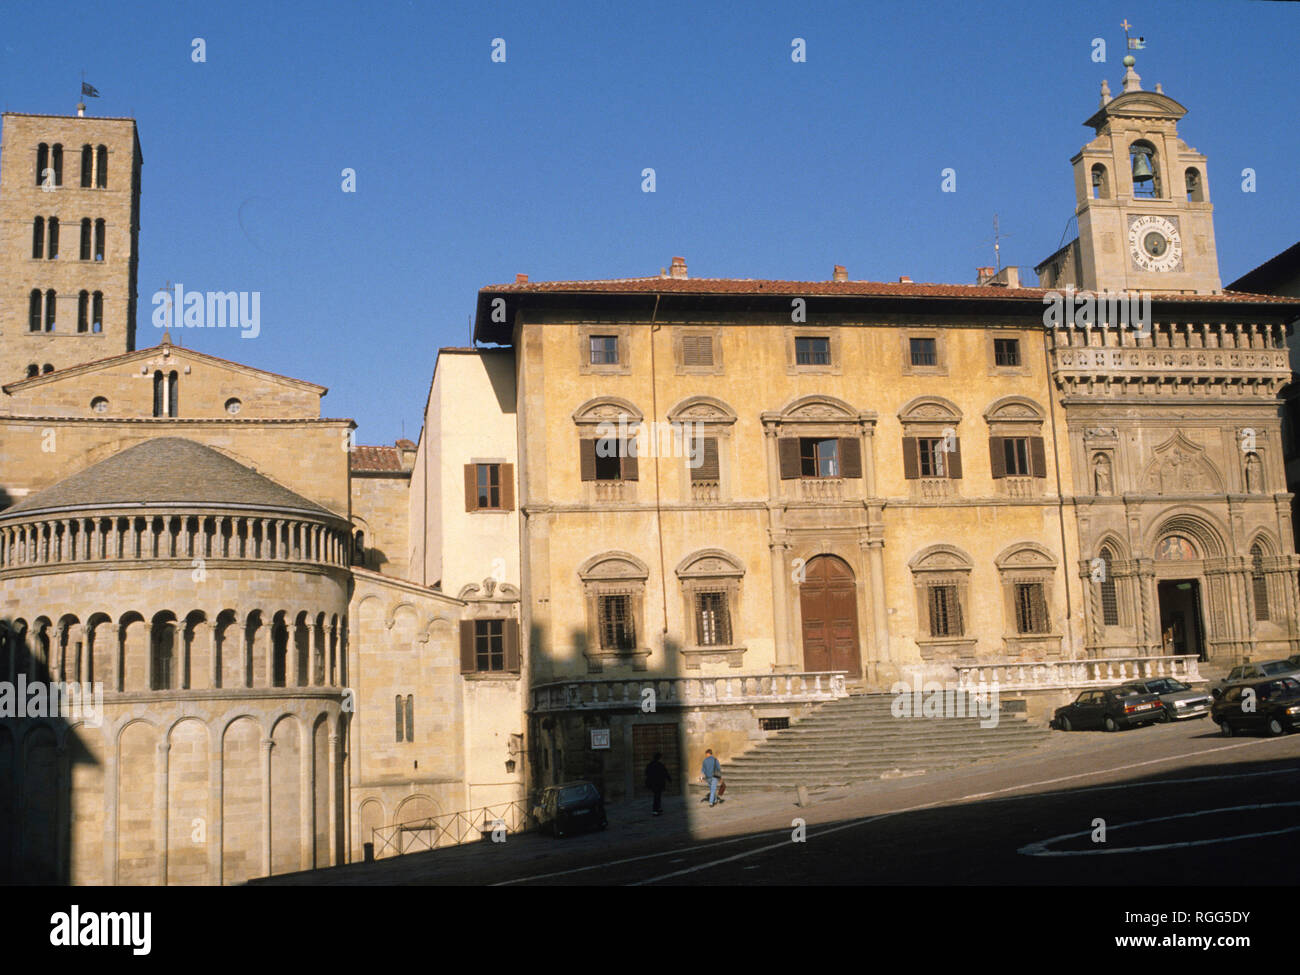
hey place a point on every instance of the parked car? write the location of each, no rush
(1112, 708)
(570, 808)
(1276, 707)
(1259, 670)
(1179, 700)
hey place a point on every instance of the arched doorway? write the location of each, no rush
(1180, 602)
(828, 605)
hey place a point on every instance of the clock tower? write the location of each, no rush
(1142, 201)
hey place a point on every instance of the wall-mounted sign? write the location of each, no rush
(599, 738)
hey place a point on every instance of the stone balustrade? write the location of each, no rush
(42, 540)
(687, 692)
(1028, 675)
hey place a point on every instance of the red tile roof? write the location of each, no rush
(368, 459)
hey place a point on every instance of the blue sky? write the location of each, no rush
(469, 171)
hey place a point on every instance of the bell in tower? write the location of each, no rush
(1142, 171)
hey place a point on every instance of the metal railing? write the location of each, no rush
(449, 829)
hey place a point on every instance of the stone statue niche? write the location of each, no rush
(1101, 481)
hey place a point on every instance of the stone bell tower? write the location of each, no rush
(1142, 200)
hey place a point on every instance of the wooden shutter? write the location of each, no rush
(1037, 457)
(850, 457)
(471, 487)
(587, 459)
(697, 350)
(510, 637)
(507, 487)
(787, 449)
(953, 459)
(629, 465)
(708, 469)
(997, 457)
(467, 662)
(911, 459)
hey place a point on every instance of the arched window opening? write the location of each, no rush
(33, 370)
(173, 394)
(83, 311)
(47, 368)
(34, 311)
(100, 234)
(52, 247)
(87, 165)
(157, 394)
(359, 548)
(1259, 582)
(85, 238)
(1146, 172)
(1195, 188)
(1100, 182)
(50, 297)
(56, 163)
(38, 237)
(1109, 602)
(101, 171)
(164, 639)
(97, 312)
(42, 163)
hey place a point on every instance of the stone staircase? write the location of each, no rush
(857, 739)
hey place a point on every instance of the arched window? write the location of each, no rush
(1100, 182)
(56, 163)
(173, 394)
(1145, 169)
(100, 234)
(157, 394)
(1259, 582)
(97, 312)
(50, 298)
(1109, 604)
(52, 249)
(34, 311)
(359, 548)
(85, 238)
(101, 171)
(38, 237)
(1195, 188)
(163, 645)
(83, 311)
(47, 368)
(42, 163)
(33, 370)
(87, 165)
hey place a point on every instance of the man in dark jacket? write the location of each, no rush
(656, 778)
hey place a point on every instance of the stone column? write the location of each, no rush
(879, 610)
(333, 858)
(306, 789)
(267, 745)
(783, 657)
(164, 748)
(268, 636)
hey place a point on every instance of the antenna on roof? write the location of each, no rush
(997, 247)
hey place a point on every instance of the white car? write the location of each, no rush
(1256, 671)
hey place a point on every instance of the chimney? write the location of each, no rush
(904, 279)
(1008, 277)
(679, 268)
(406, 454)
(521, 279)
(840, 273)
(983, 275)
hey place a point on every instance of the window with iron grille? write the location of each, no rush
(489, 645)
(488, 480)
(1031, 608)
(945, 611)
(617, 627)
(773, 724)
(1109, 604)
(1259, 583)
(712, 620)
(923, 352)
(604, 350)
(1006, 352)
(812, 351)
(819, 457)
(404, 717)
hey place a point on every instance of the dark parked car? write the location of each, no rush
(570, 808)
(1179, 700)
(1112, 709)
(1275, 710)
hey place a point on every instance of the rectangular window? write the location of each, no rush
(930, 455)
(1016, 452)
(410, 717)
(819, 458)
(617, 628)
(488, 481)
(712, 620)
(812, 351)
(604, 350)
(697, 350)
(489, 645)
(399, 718)
(1006, 352)
(945, 611)
(1031, 608)
(923, 352)
(1109, 604)
(704, 460)
(607, 459)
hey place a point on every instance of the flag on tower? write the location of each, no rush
(89, 91)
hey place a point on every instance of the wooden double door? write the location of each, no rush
(828, 606)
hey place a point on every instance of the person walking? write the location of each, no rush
(712, 773)
(656, 779)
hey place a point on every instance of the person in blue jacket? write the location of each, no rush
(712, 772)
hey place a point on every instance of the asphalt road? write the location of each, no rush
(1180, 806)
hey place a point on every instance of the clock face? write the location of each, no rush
(1154, 243)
